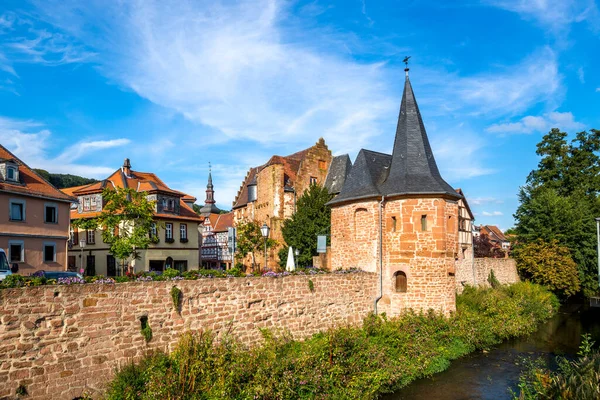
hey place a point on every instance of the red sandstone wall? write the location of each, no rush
(426, 257)
(505, 270)
(59, 341)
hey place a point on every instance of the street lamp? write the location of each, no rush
(82, 245)
(297, 253)
(598, 237)
(264, 230)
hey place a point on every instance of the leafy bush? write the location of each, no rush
(548, 264)
(381, 356)
(171, 273)
(12, 281)
(492, 280)
(573, 380)
(176, 296)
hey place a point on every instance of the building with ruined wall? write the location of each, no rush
(269, 192)
(397, 212)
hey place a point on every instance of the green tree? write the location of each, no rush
(61, 181)
(548, 264)
(312, 218)
(126, 220)
(560, 200)
(250, 240)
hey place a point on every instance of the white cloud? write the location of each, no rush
(492, 214)
(459, 156)
(29, 141)
(598, 89)
(516, 89)
(79, 150)
(555, 15)
(234, 67)
(581, 74)
(529, 124)
(477, 201)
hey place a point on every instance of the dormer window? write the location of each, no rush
(11, 174)
(9, 171)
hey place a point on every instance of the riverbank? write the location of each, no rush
(494, 374)
(379, 357)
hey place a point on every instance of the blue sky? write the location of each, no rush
(174, 85)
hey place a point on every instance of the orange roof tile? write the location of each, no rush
(224, 222)
(140, 182)
(30, 183)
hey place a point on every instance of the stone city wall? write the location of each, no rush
(59, 342)
(505, 270)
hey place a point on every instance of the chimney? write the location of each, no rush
(127, 167)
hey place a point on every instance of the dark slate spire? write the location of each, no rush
(410, 170)
(209, 204)
(413, 169)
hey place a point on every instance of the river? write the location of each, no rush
(489, 375)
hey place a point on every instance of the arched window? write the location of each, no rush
(400, 282)
(169, 263)
(361, 222)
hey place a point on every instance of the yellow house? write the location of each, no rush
(177, 245)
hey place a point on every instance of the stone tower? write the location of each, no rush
(395, 213)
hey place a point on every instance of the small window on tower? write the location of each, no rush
(423, 223)
(400, 283)
(394, 221)
(313, 180)
(322, 164)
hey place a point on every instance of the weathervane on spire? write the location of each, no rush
(209, 168)
(405, 61)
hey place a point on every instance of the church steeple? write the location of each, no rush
(209, 204)
(210, 193)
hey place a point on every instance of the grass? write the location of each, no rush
(363, 362)
(577, 379)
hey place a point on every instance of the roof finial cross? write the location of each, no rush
(405, 61)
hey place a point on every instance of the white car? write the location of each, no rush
(5, 268)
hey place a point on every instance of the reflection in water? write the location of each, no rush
(489, 375)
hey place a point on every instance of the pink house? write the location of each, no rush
(34, 218)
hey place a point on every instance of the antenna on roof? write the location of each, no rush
(405, 61)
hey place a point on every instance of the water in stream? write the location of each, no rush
(490, 375)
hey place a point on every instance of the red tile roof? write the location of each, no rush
(494, 230)
(224, 222)
(30, 183)
(141, 182)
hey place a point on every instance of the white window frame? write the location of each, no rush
(88, 201)
(93, 203)
(168, 230)
(20, 243)
(23, 204)
(49, 244)
(183, 231)
(90, 233)
(51, 205)
(153, 230)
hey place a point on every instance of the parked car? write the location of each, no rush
(5, 268)
(56, 274)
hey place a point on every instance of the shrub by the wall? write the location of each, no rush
(381, 356)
